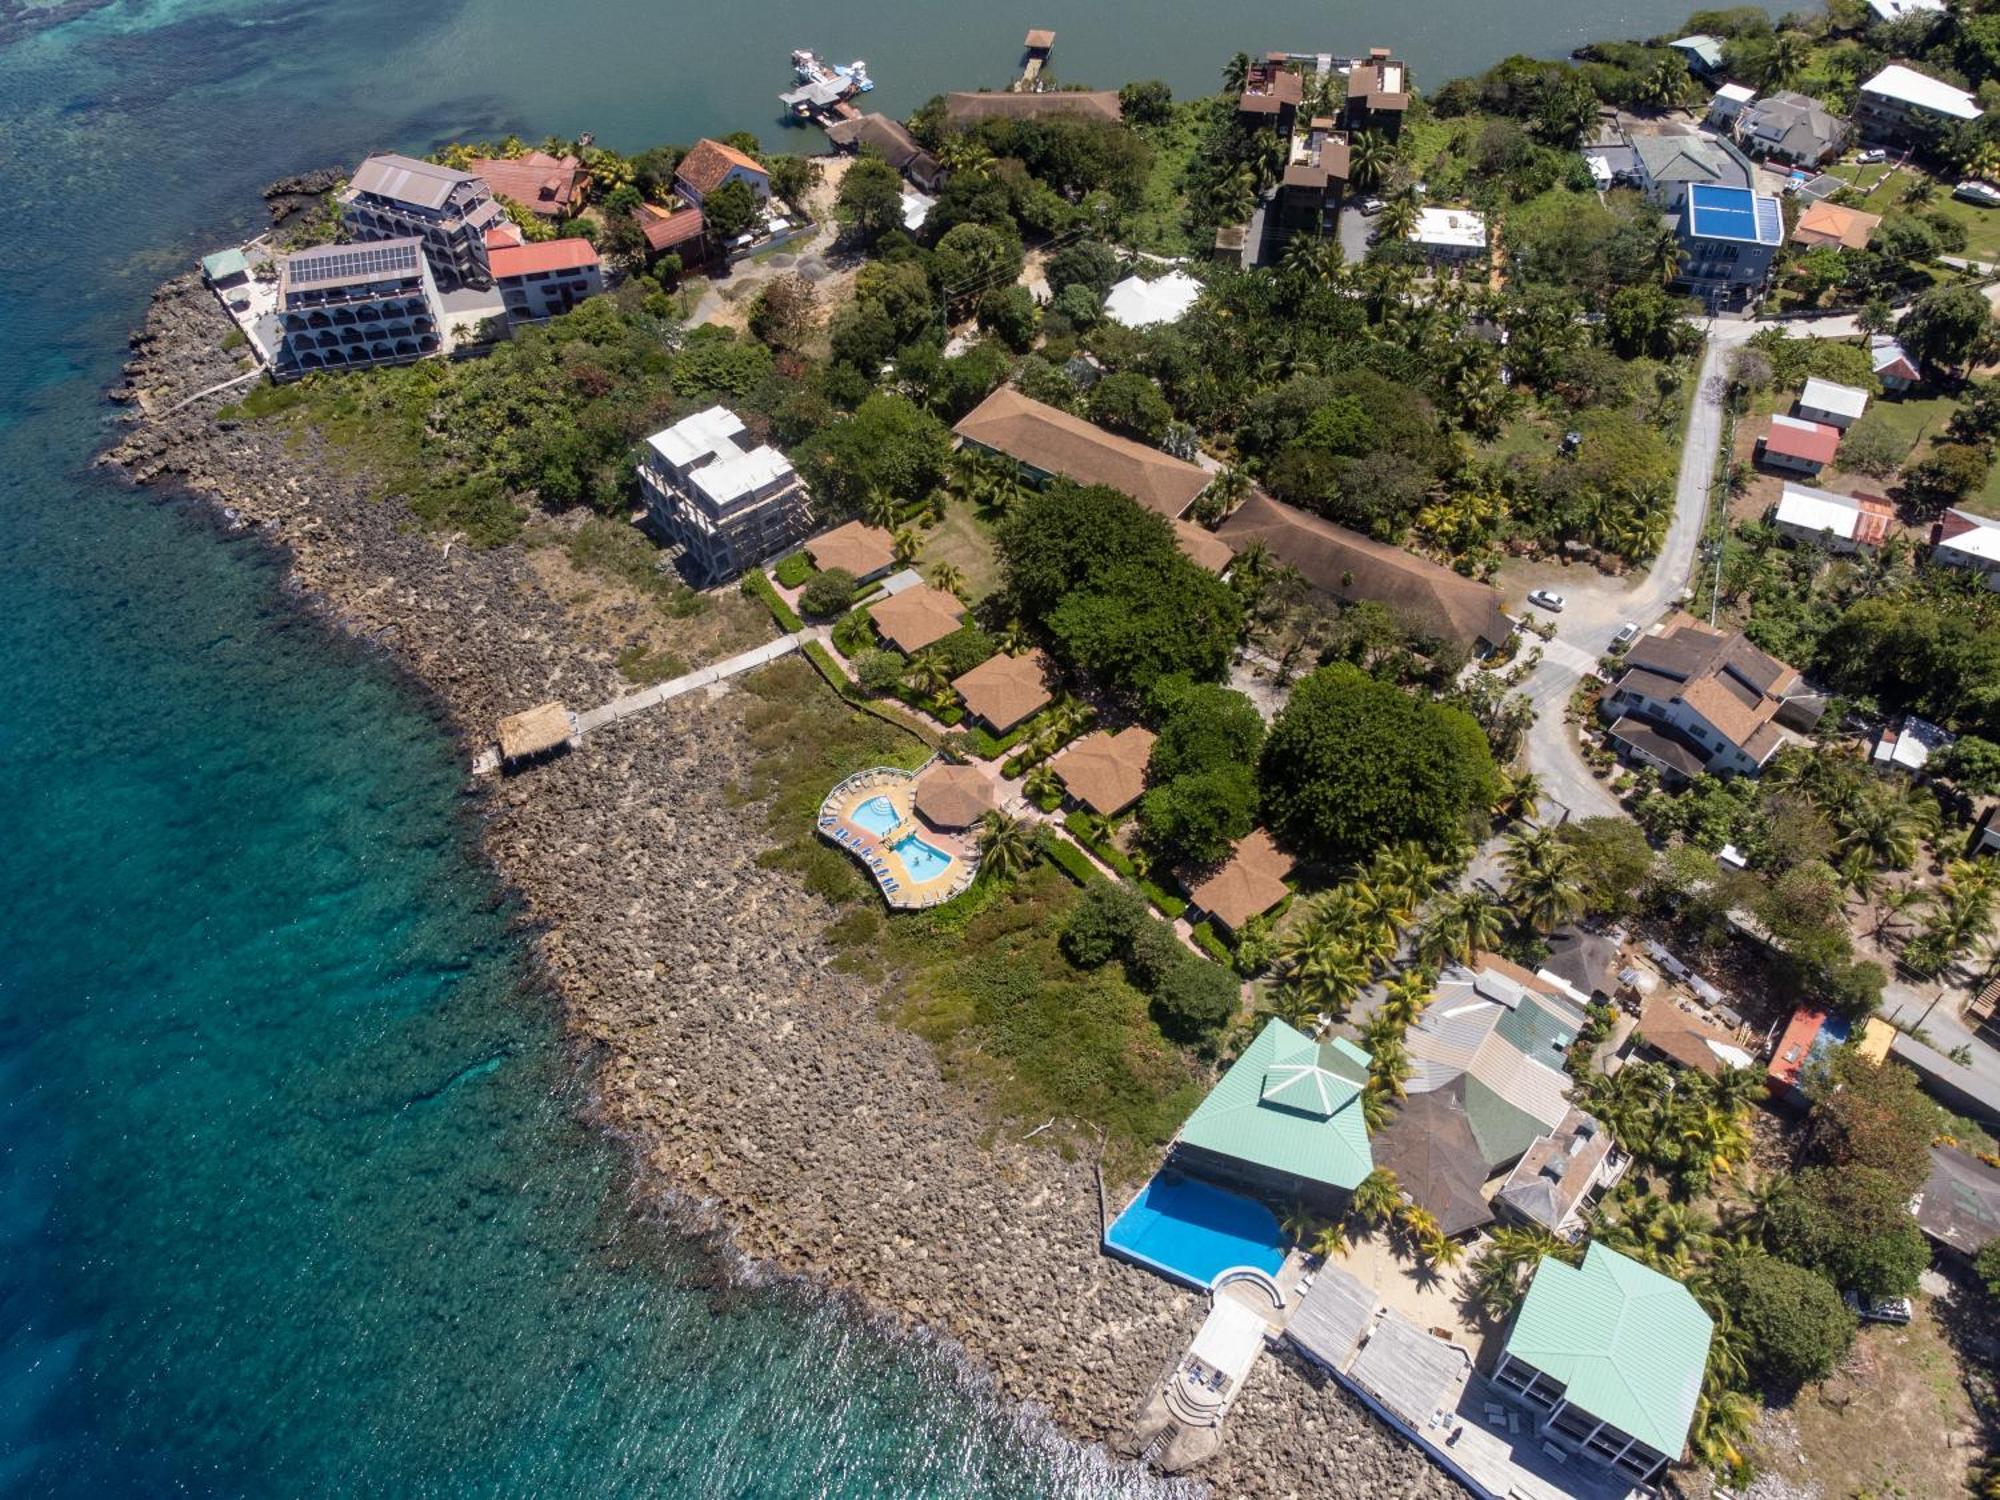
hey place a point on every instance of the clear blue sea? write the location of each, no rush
(293, 1199)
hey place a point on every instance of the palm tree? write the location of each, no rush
(1369, 157)
(1376, 1198)
(1663, 253)
(1893, 903)
(949, 577)
(1886, 831)
(927, 676)
(1461, 923)
(1404, 998)
(1235, 196)
(907, 545)
(878, 507)
(1497, 1272)
(1397, 219)
(1520, 795)
(1326, 979)
(1541, 884)
(1236, 73)
(1041, 784)
(1006, 844)
(1788, 55)
(1299, 1223)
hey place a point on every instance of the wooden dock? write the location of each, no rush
(1035, 52)
(625, 706)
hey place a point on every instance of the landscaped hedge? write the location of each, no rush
(1066, 857)
(757, 586)
(854, 634)
(822, 658)
(1095, 836)
(949, 715)
(1210, 942)
(793, 570)
(990, 746)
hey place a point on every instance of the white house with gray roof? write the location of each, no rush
(1668, 165)
(1790, 127)
(398, 197)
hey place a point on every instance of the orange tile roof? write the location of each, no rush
(545, 255)
(917, 618)
(1004, 690)
(856, 548)
(1831, 224)
(1055, 442)
(1251, 882)
(549, 185)
(709, 162)
(666, 228)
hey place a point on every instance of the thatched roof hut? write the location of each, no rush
(535, 731)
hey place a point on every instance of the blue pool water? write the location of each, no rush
(921, 860)
(877, 815)
(1192, 1232)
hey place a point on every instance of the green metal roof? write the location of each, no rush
(1502, 1130)
(1539, 1031)
(224, 264)
(1629, 1344)
(1292, 1105)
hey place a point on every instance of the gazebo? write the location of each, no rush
(950, 796)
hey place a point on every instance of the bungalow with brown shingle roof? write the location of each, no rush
(1106, 772)
(1428, 599)
(1249, 884)
(856, 548)
(1682, 1036)
(1202, 547)
(680, 229)
(710, 164)
(1003, 691)
(1050, 443)
(917, 618)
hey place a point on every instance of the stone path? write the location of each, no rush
(632, 703)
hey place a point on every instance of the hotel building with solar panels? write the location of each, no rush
(399, 197)
(1728, 236)
(350, 307)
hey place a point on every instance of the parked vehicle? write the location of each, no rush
(1627, 634)
(1985, 194)
(1545, 599)
(1883, 1310)
(1871, 156)
(1371, 207)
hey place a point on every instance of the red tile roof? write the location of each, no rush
(507, 232)
(550, 185)
(665, 229)
(546, 255)
(1812, 441)
(704, 167)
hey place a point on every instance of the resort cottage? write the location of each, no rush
(1669, 1030)
(350, 307)
(893, 143)
(1891, 363)
(727, 502)
(398, 197)
(1248, 884)
(1831, 226)
(1285, 1121)
(917, 617)
(1558, 1175)
(1106, 772)
(1004, 691)
(1609, 1358)
(862, 551)
(1378, 94)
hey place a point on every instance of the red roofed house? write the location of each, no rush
(710, 164)
(545, 279)
(1798, 446)
(680, 230)
(552, 187)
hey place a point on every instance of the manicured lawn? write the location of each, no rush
(1885, 195)
(961, 538)
(1524, 437)
(1917, 419)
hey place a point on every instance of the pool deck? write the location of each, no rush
(877, 852)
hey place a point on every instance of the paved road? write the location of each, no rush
(1597, 605)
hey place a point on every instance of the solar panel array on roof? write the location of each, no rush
(343, 263)
(1769, 222)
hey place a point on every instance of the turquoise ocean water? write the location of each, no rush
(292, 1196)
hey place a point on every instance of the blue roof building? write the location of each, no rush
(1729, 236)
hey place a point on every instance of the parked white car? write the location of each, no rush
(1871, 156)
(1545, 599)
(1883, 1310)
(1985, 194)
(1627, 634)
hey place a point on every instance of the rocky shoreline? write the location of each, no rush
(753, 1083)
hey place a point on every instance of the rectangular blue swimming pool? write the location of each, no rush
(1191, 1232)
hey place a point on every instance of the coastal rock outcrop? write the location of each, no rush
(754, 1084)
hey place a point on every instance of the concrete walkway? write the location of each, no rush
(662, 692)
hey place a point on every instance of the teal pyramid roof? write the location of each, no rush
(1629, 1344)
(1292, 1105)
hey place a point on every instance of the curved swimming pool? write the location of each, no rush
(878, 815)
(920, 859)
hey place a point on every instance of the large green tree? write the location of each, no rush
(887, 447)
(1946, 325)
(1852, 1225)
(1872, 1114)
(1353, 764)
(870, 202)
(1794, 1326)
